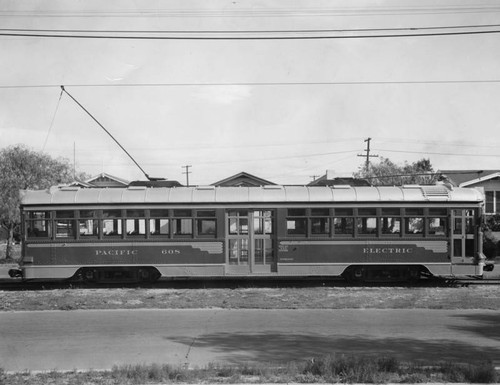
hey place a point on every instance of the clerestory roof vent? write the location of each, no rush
(436, 192)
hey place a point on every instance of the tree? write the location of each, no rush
(387, 173)
(21, 169)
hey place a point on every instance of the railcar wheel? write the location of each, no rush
(89, 275)
(354, 274)
(118, 274)
(385, 273)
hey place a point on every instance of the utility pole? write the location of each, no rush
(187, 172)
(368, 156)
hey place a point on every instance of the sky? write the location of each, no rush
(285, 110)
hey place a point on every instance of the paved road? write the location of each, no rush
(67, 340)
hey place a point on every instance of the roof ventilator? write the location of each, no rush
(435, 192)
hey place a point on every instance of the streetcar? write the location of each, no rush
(141, 233)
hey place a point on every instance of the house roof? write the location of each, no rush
(243, 179)
(350, 181)
(468, 177)
(104, 178)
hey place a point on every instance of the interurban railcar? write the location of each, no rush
(145, 233)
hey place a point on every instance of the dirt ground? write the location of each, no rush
(472, 297)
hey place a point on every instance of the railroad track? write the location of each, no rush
(17, 285)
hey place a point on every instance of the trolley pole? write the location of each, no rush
(368, 156)
(187, 172)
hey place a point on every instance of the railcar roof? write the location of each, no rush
(284, 194)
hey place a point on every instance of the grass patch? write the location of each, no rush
(325, 369)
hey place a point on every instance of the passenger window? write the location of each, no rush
(437, 226)
(414, 225)
(343, 226)
(38, 224)
(206, 223)
(438, 211)
(65, 227)
(391, 226)
(182, 223)
(320, 226)
(112, 223)
(320, 221)
(414, 211)
(367, 211)
(136, 226)
(88, 223)
(159, 226)
(136, 223)
(296, 226)
(367, 226)
(296, 222)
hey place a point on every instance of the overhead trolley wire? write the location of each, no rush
(261, 84)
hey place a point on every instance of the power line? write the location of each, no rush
(440, 153)
(262, 84)
(236, 32)
(436, 143)
(260, 12)
(253, 160)
(190, 35)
